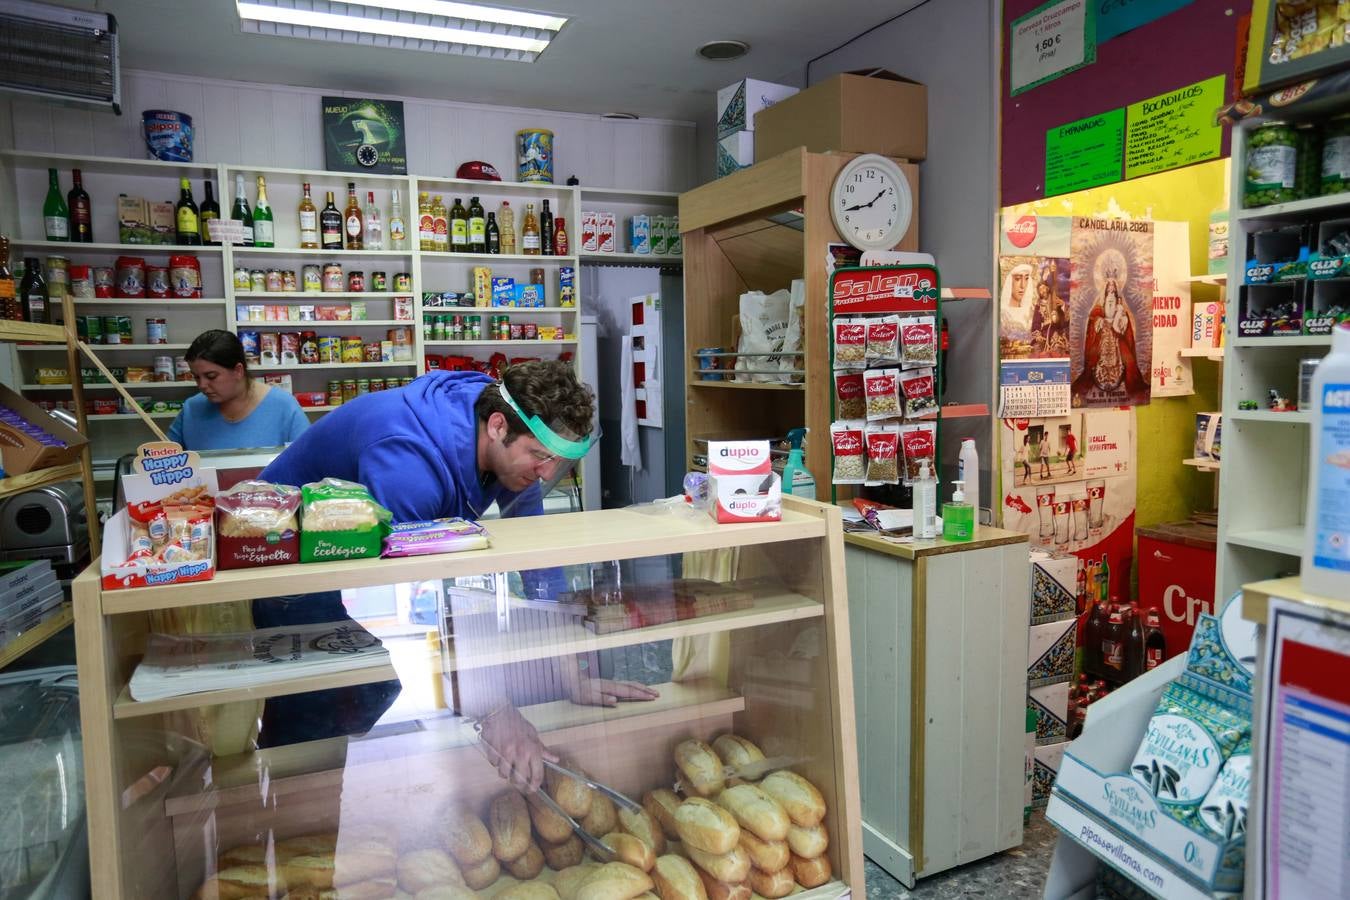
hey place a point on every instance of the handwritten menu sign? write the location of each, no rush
(1084, 154)
(1174, 129)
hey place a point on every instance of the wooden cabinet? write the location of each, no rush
(773, 668)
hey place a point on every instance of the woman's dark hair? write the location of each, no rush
(548, 389)
(220, 347)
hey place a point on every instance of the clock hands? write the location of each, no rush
(866, 205)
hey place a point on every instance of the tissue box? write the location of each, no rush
(1050, 653)
(1054, 587)
(1051, 705)
(742, 483)
(735, 152)
(739, 103)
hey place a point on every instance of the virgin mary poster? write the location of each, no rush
(1110, 320)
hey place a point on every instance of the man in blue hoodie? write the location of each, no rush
(449, 444)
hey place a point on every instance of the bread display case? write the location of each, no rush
(744, 631)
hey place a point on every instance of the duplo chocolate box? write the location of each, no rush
(742, 483)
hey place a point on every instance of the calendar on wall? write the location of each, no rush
(1033, 388)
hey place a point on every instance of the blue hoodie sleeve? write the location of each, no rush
(540, 584)
(405, 480)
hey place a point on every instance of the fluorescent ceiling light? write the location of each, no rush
(472, 11)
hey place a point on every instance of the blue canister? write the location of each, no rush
(168, 135)
(534, 152)
(709, 362)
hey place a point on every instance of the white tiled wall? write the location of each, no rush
(272, 125)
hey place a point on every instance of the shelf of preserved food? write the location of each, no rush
(537, 343)
(38, 634)
(71, 248)
(11, 330)
(494, 310)
(315, 367)
(538, 259)
(104, 386)
(754, 386)
(335, 255)
(168, 303)
(17, 484)
(320, 324)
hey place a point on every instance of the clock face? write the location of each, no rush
(871, 203)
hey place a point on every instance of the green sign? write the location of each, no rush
(1174, 129)
(1084, 154)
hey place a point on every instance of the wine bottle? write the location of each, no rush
(210, 209)
(264, 234)
(187, 224)
(55, 213)
(330, 225)
(240, 212)
(81, 212)
(309, 222)
(353, 220)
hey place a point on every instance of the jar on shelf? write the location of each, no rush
(1272, 165)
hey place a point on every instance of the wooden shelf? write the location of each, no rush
(1256, 598)
(963, 411)
(11, 330)
(651, 259)
(38, 634)
(1219, 279)
(1287, 540)
(1204, 465)
(967, 294)
(1215, 353)
(17, 484)
(750, 385)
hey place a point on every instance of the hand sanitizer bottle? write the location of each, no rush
(925, 504)
(958, 517)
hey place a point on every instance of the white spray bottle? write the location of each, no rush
(925, 503)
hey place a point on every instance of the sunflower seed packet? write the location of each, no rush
(1186, 744)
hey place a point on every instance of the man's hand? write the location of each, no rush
(607, 692)
(513, 746)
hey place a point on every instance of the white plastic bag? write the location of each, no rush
(792, 335)
(764, 320)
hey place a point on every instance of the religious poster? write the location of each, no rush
(1171, 309)
(1111, 312)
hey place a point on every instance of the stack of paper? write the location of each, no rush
(29, 595)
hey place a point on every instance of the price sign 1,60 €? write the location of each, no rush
(1050, 41)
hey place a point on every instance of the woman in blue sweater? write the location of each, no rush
(234, 410)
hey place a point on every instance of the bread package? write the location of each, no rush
(257, 524)
(808, 843)
(772, 885)
(629, 849)
(614, 881)
(340, 520)
(573, 796)
(509, 825)
(705, 826)
(603, 817)
(570, 879)
(421, 869)
(770, 856)
(676, 879)
(803, 802)
(483, 874)
(811, 872)
(466, 837)
(720, 890)
(564, 855)
(700, 768)
(529, 864)
(661, 804)
(733, 867)
(756, 811)
(528, 890)
(640, 824)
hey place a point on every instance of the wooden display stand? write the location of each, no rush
(758, 229)
(160, 809)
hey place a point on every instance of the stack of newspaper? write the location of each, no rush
(175, 665)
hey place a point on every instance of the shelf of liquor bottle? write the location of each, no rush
(115, 348)
(101, 165)
(651, 259)
(321, 324)
(76, 247)
(539, 258)
(315, 367)
(12, 330)
(567, 342)
(320, 296)
(495, 310)
(315, 176)
(166, 302)
(335, 254)
(1287, 540)
(474, 188)
(131, 386)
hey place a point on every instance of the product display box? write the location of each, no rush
(1207, 324)
(1054, 587)
(742, 483)
(735, 152)
(1278, 254)
(739, 104)
(22, 453)
(1327, 303)
(867, 111)
(1050, 653)
(1051, 704)
(1271, 310)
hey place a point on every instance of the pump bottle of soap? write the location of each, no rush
(797, 479)
(925, 504)
(958, 516)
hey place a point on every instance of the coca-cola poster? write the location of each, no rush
(1111, 312)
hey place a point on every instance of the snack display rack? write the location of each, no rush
(777, 672)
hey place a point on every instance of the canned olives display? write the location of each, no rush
(1272, 165)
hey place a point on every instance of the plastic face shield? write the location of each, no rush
(564, 447)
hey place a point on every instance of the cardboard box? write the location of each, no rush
(735, 152)
(868, 111)
(21, 452)
(738, 104)
(1044, 769)
(1207, 324)
(738, 472)
(1051, 705)
(1054, 587)
(1050, 653)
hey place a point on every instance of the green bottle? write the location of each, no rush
(55, 212)
(262, 218)
(189, 226)
(958, 516)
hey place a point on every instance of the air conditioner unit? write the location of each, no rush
(62, 54)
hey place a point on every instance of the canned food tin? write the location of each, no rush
(81, 282)
(517, 331)
(534, 155)
(269, 349)
(309, 348)
(289, 281)
(164, 368)
(272, 280)
(335, 393)
(58, 276)
(185, 276)
(157, 281)
(531, 331)
(356, 282)
(156, 331)
(376, 385)
(251, 350)
(111, 333)
(353, 349)
(181, 370)
(242, 280)
(379, 281)
(332, 277)
(708, 363)
(105, 281)
(438, 332)
(330, 349)
(130, 276)
(362, 386)
(311, 279)
(348, 389)
(403, 281)
(124, 329)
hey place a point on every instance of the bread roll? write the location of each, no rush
(483, 874)
(808, 843)
(527, 865)
(640, 824)
(772, 885)
(421, 869)
(603, 817)
(676, 879)
(446, 892)
(768, 856)
(570, 879)
(509, 825)
(661, 805)
(307, 871)
(804, 804)
(614, 881)
(756, 811)
(630, 849)
(720, 890)
(359, 860)
(465, 836)
(237, 883)
(552, 827)
(736, 751)
(565, 855)
(246, 855)
(700, 768)
(811, 872)
(307, 845)
(574, 797)
(706, 826)
(733, 867)
(528, 890)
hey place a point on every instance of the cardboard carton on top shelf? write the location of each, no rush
(738, 104)
(21, 453)
(736, 151)
(866, 111)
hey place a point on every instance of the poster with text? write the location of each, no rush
(1171, 309)
(1111, 312)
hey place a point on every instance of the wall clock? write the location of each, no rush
(871, 203)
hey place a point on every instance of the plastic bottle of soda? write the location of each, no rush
(1134, 643)
(1155, 643)
(1093, 637)
(1113, 644)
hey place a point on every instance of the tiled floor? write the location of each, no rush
(1012, 875)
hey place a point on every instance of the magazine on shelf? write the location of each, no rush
(175, 665)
